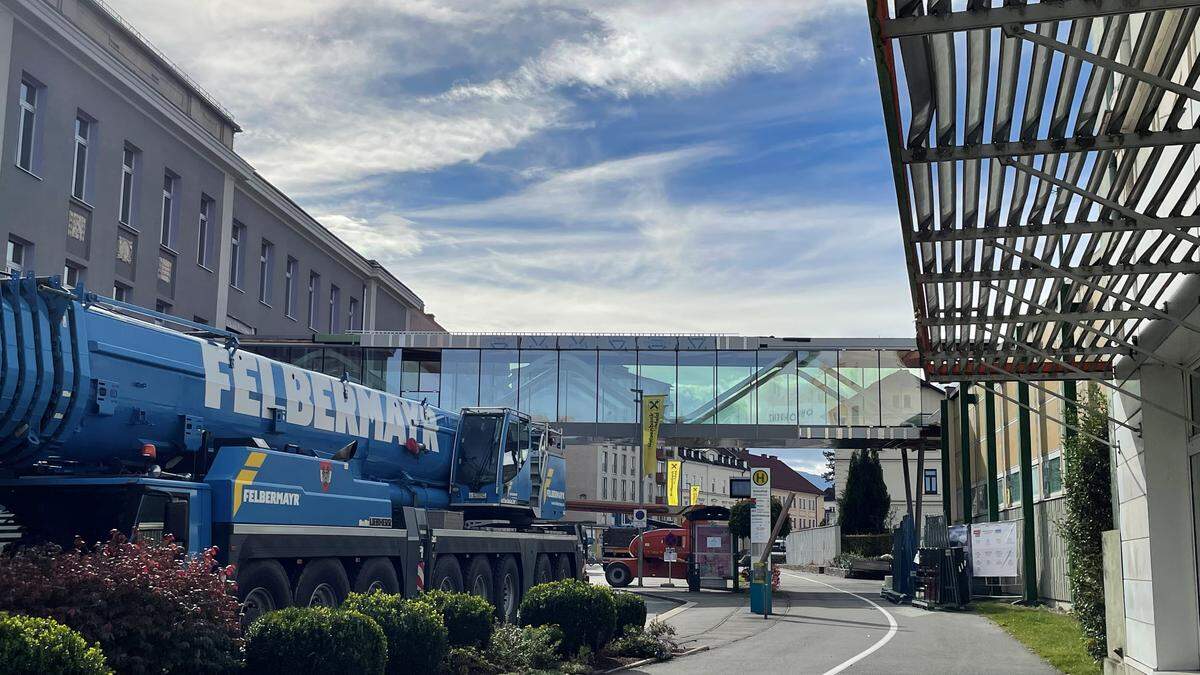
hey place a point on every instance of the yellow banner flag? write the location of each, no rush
(695, 494)
(652, 418)
(674, 469)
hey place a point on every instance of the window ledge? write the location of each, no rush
(206, 268)
(239, 290)
(129, 228)
(80, 202)
(168, 249)
(265, 304)
(290, 317)
(27, 172)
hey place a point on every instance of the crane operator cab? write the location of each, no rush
(507, 466)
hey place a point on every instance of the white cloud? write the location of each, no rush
(334, 92)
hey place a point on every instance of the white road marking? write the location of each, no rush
(868, 651)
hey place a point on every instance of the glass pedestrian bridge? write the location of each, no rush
(729, 391)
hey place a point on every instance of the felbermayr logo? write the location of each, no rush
(273, 497)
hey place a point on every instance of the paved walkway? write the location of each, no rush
(827, 625)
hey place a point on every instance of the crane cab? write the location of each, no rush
(507, 466)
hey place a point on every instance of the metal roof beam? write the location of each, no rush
(996, 17)
(1041, 317)
(1059, 229)
(1015, 30)
(1051, 272)
(966, 350)
(1124, 141)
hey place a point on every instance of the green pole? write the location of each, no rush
(964, 449)
(1028, 559)
(946, 460)
(989, 421)
(1070, 407)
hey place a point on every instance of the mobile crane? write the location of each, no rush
(313, 486)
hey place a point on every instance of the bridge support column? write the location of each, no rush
(989, 423)
(964, 447)
(1029, 543)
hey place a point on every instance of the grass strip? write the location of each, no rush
(1054, 636)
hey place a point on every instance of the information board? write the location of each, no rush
(994, 549)
(760, 515)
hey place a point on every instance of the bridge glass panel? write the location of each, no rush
(776, 387)
(735, 387)
(656, 375)
(499, 370)
(696, 389)
(577, 386)
(817, 388)
(858, 372)
(900, 391)
(460, 379)
(379, 366)
(618, 375)
(538, 378)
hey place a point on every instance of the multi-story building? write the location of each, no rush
(606, 472)
(710, 469)
(808, 500)
(119, 173)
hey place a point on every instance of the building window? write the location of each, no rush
(202, 246)
(27, 122)
(1014, 487)
(335, 307)
(266, 265)
(604, 488)
(624, 494)
(352, 315)
(18, 252)
(314, 283)
(1052, 476)
(72, 275)
(162, 306)
(83, 129)
(604, 462)
(289, 287)
(931, 482)
(167, 234)
(128, 166)
(121, 293)
(237, 236)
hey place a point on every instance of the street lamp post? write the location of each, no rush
(637, 401)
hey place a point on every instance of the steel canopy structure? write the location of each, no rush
(1044, 170)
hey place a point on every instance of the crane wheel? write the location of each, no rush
(322, 583)
(376, 575)
(262, 587)
(507, 587)
(447, 574)
(479, 579)
(562, 567)
(543, 570)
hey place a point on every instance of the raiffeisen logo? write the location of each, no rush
(274, 497)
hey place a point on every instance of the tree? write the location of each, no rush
(864, 503)
(739, 518)
(1086, 480)
(830, 465)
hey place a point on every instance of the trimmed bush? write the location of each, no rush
(586, 614)
(631, 612)
(416, 635)
(152, 609)
(32, 646)
(315, 640)
(469, 618)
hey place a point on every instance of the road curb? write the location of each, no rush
(645, 662)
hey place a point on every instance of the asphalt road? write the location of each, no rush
(828, 625)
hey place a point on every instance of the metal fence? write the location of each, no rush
(1050, 548)
(816, 546)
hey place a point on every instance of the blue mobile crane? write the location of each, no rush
(313, 486)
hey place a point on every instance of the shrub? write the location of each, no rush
(524, 648)
(468, 661)
(416, 636)
(631, 612)
(655, 641)
(32, 646)
(469, 618)
(1087, 481)
(151, 610)
(586, 614)
(317, 640)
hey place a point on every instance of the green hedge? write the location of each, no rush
(586, 614)
(316, 641)
(32, 646)
(631, 612)
(469, 618)
(867, 545)
(416, 635)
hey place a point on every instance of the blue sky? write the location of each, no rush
(715, 166)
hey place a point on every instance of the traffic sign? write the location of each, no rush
(639, 518)
(760, 512)
(670, 555)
